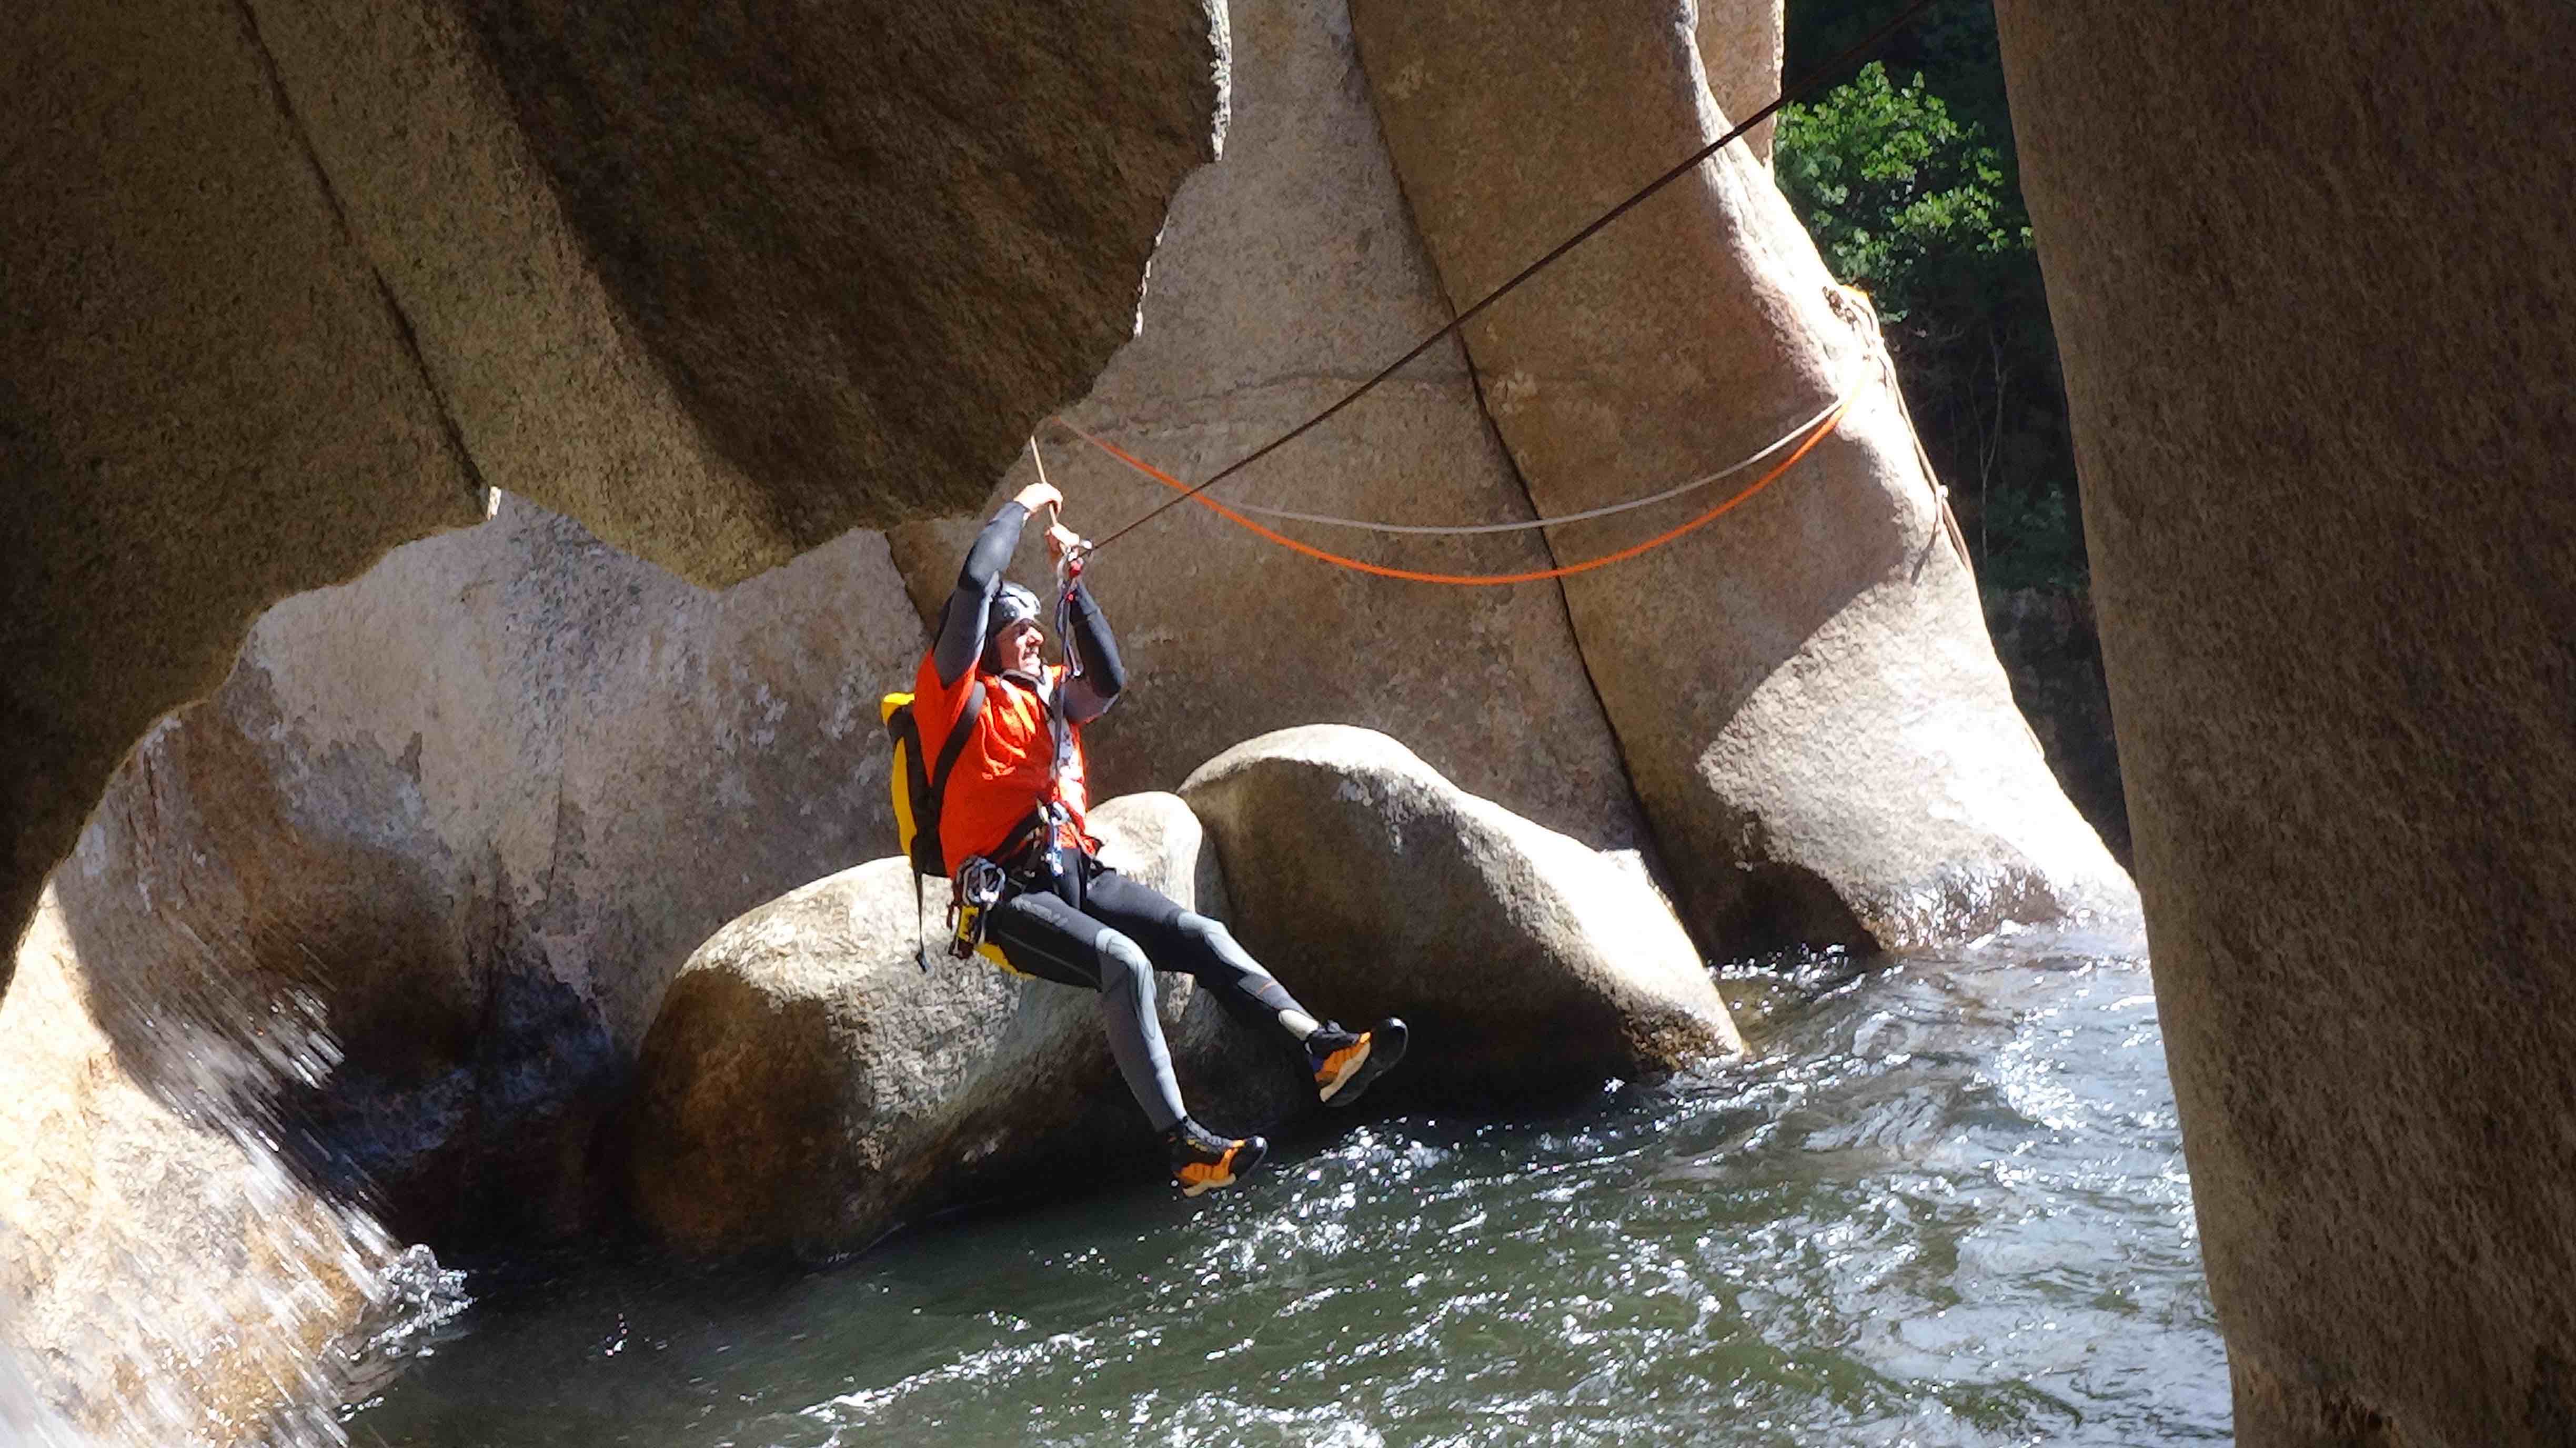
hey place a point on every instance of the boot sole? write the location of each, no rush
(1385, 1048)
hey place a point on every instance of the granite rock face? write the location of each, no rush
(1288, 272)
(292, 282)
(471, 812)
(1525, 963)
(807, 1087)
(1803, 692)
(2314, 327)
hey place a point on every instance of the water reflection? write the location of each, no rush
(1946, 1205)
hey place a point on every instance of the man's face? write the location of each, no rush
(1022, 645)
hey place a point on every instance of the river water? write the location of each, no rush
(1945, 1203)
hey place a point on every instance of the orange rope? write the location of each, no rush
(1468, 580)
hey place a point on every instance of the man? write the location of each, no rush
(1016, 797)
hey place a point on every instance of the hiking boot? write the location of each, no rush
(1345, 1064)
(1203, 1161)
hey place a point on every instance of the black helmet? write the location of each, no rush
(1009, 606)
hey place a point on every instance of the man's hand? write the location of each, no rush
(1038, 496)
(1061, 541)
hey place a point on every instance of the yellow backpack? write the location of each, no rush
(919, 790)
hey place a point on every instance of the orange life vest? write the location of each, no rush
(1007, 769)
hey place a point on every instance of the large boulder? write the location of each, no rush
(807, 1086)
(1803, 692)
(289, 282)
(2310, 272)
(1289, 270)
(1525, 962)
(476, 808)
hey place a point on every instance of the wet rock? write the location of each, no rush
(807, 1086)
(1525, 962)
(2314, 325)
(1803, 691)
(173, 1283)
(1288, 271)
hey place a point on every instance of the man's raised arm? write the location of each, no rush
(961, 621)
(1089, 694)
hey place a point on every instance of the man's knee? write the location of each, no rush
(1124, 966)
(1211, 937)
(1200, 930)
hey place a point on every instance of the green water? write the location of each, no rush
(1945, 1204)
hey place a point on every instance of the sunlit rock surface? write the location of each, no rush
(1803, 692)
(2310, 272)
(1526, 964)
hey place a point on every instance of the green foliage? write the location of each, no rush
(1916, 201)
(1906, 203)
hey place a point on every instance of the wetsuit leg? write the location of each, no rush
(1043, 935)
(1187, 941)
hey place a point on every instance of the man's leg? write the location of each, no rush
(1191, 943)
(1043, 936)
(1343, 1063)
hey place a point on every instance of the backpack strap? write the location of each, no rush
(952, 747)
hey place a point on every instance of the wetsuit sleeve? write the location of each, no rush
(1089, 695)
(961, 620)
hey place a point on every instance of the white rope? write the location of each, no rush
(1587, 515)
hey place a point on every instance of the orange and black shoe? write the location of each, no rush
(1202, 1161)
(1345, 1064)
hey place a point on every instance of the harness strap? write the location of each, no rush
(1034, 830)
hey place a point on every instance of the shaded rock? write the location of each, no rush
(472, 811)
(726, 285)
(205, 402)
(1525, 962)
(807, 1087)
(2314, 324)
(1289, 271)
(1803, 691)
(291, 281)
(176, 1285)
